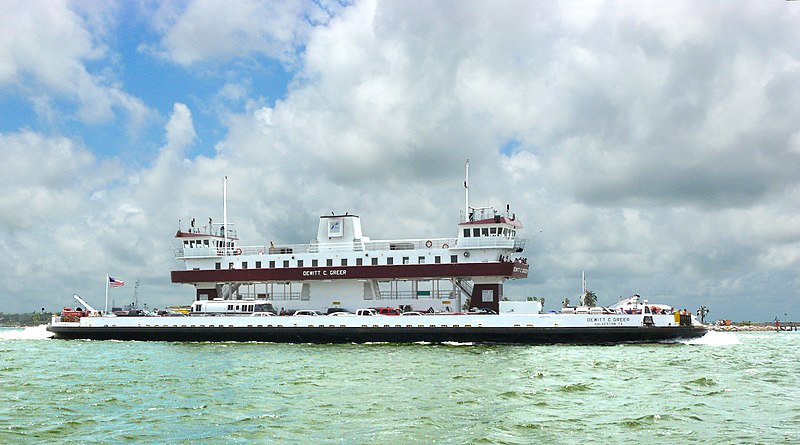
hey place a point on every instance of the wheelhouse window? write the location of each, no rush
(466, 233)
(476, 232)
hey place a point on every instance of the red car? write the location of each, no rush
(389, 311)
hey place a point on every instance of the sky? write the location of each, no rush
(654, 145)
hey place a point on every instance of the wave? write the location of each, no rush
(29, 333)
(714, 338)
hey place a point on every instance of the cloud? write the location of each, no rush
(44, 52)
(45, 179)
(207, 30)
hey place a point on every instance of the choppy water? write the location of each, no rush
(738, 388)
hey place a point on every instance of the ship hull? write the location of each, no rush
(393, 334)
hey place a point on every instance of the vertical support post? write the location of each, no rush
(106, 311)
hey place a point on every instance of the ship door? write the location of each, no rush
(486, 296)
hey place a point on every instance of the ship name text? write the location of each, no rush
(324, 273)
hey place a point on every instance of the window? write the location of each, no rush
(244, 264)
(314, 263)
(272, 264)
(218, 266)
(466, 233)
(437, 259)
(493, 231)
(299, 263)
(375, 261)
(484, 231)
(329, 262)
(359, 261)
(344, 261)
(453, 258)
(421, 260)
(258, 264)
(389, 260)
(476, 232)
(405, 260)
(286, 263)
(487, 295)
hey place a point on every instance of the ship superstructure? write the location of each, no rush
(342, 267)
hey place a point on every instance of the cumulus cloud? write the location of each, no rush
(44, 51)
(209, 30)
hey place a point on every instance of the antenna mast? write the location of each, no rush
(466, 191)
(136, 294)
(225, 214)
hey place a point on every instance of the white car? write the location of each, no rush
(341, 314)
(307, 313)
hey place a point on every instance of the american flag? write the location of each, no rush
(113, 282)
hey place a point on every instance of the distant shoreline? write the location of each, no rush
(752, 328)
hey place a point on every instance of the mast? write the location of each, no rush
(225, 214)
(466, 191)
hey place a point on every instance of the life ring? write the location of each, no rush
(428, 243)
(237, 251)
(466, 254)
(445, 246)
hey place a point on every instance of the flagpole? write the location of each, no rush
(106, 312)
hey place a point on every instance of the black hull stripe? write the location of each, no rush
(391, 334)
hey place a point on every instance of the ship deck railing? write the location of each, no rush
(489, 242)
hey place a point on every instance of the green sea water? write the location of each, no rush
(729, 388)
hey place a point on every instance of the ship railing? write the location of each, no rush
(485, 242)
(216, 229)
(356, 246)
(410, 244)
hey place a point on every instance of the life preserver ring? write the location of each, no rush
(428, 243)
(237, 251)
(466, 254)
(445, 246)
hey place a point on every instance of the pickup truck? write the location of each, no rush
(367, 312)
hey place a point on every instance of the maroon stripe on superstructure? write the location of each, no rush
(397, 271)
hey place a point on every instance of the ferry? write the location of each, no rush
(344, 287)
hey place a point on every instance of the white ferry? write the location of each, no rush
(453, 285)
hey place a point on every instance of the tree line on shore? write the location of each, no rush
(25, 319)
